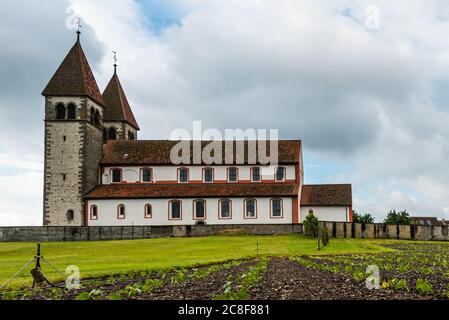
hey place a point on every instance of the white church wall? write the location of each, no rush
(326, 213)
(135, 215)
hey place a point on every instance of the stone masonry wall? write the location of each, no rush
(73, 150)
(335, 229)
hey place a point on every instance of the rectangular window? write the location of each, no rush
(232, 174)
(183, 175)
(250, 209)
(280, 174)
(208, 175)
(225, 209)
(200, 209)
(255, 174)
(276, 208)
(116, 175)
(146, 175)
(175, 210)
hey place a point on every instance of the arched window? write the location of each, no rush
(224, 209)
(121, 211)
(250, 209)
(276, 209)
(183, 175)
(280, 174)
(112, 134)
(233, 175)
(148, 211)
(175, 210)
(208, 175)
(97, 118)
(199, 210)
(92, 114)
(71, 111)
(93, 212)
(70, 215)
(60, 111)
(255, 174)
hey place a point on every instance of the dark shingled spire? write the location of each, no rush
(117, 106)
(74, 77)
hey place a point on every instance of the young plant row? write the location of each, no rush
(238, 287)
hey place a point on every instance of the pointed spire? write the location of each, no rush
(117, 105)
(74, 76)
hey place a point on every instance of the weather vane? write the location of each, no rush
(115, 60)
(78, 24)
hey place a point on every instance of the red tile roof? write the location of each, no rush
(74, 77)
(118, 108)
(157, 152)
(326, 195)
(143, 191)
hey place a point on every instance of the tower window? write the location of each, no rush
(130, 135)
(70, 215)
(60, 111)
(112, 134)
(64, 138)
(97, 118)
(64, 177)
(92, 114)
(71, 112)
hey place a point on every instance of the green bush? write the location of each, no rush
(362, 218)
(400, 217)
(311, 225)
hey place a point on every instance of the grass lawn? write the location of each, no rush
(107, 257)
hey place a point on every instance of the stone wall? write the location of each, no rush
(336, 229)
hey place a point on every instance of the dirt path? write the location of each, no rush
(288, 280)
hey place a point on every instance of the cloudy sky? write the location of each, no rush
(364, 84)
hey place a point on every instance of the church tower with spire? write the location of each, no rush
(119, 120)
(74, 137)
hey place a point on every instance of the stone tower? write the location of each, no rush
(74, 109)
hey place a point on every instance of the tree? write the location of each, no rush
(311, 224)
(362, 218)
(400, 217)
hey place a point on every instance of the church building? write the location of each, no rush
(98, 173)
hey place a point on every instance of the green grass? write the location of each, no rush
(108, 257)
